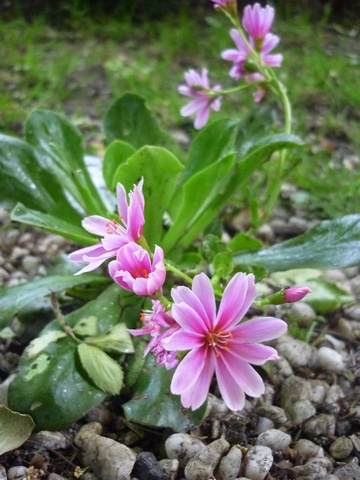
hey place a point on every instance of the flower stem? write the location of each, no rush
(178, 272)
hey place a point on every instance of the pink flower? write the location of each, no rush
(294, 294)
(222, 3)
(134, 270)
(218, 343)
(257, 20)
(115, 233)
(241, 56)
(198, 88)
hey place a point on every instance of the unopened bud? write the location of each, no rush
(294, 294)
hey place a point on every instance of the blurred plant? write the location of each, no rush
(162, 234)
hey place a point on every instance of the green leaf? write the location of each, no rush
(116, 154)
(104, 371)
(53, 387)
(223, 264)
(13, 299)
(330, 244)
(243, 242)
(213, 142)
(15, 429)
(25, 179)
(87, 326)
(160, 170)
(200, 192)
(129, 119)
(59, 146)
(115, 340)
(153, 404)
(52, 224)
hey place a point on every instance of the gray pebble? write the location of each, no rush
(16, 473)
(30, 264)
(318, 390)
(329, 360)
(263, 424)
(257, 462)
(3, 475)
(275, 439)
(183, 447)
(341, 448)
(334, 394)
(303, 313)
(310, 472)
(322, 424)
(281, 369)
(55, 476)
(52, 440)
(355, 285)
(349, 471)
(147, 467)
(300, 411)
(170, 467)
(276, 414)
(294, 389)
(203, 464)
(230, 464)
(305, 449)
(353, 312)
(298, 353)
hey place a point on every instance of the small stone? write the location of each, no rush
(16, 473)
(147, 467)
(298, 353)
(18, 252)
(275, 439)
(310, 472)
(353, 312)
(300, 411)
(303, 313)
(30, 264)
(230, 464)
(170, 467)
(349, 471)
(265, 233)
(183, 447)
(333, 395)
(322, 424)
(3, 475)
(355, 285)
(55, 476)
(264, 424)
(257, 462)
(356, 442)
(329, 360)
(341, 448)
(305, 449)
(276, 414)
(281, 369)
(203, 464)
(51, 440)
(294, 389)
(318, 390)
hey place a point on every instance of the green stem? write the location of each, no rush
(60, 318)
(178, 272)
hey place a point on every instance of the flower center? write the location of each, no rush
(114, 227)
(219, 340)
(139, 272)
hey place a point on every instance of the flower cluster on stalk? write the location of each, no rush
(251, 59)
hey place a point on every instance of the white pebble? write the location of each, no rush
(300, 411)
(264, 424)
(230, 464)
(275, 439)
(298, 353)
(183, 447)
(203, 464)
(305, 449)
(329, 360)
(258, 461)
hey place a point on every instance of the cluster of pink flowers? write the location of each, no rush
(250, 54)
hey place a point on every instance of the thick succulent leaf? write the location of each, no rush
(13, 299)
(53, 224)
(129, 120)
(153, 404)
(160, 170)
(116, 154)
(24, 179)
(330, 244)
(59, 147)
(15, 429)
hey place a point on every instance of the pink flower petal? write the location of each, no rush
(259, 329)
(231, 392)
(204, 291)
(96, 224)
(236, 301)
(189, 319)
(183, 341)
(254, 353)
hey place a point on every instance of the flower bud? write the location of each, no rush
(294, 294)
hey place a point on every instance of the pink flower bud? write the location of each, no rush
(294, 294)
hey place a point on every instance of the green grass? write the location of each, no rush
(80, 72)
